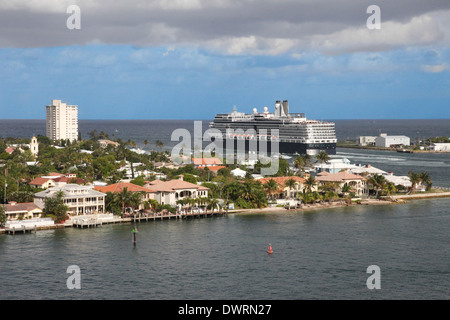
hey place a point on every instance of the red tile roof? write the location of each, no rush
(10, 150)
(213, 168)
(206, 161)
(118, 187)
(39, 181)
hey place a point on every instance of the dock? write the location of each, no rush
(168, 216)
(98, 220)
(30, 229)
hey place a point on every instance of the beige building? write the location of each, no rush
(169, 192)
(284, 192)
(62, 121)
(79, 199)
(356, 182)
(34, 146)
(24, 210)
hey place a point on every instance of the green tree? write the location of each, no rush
(378, 182)
(3, 217)
(54, 207)
(290, 183)
(426, 179)
(415, 180)
(310, 184)
(159, 144)
(271, 187)
(322, 157)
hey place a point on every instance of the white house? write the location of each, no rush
(445, 147)
(366, 140)
(79, 199)
(387, 141)
(238, 173)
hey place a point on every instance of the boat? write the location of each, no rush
(405, 151)
(296, 134)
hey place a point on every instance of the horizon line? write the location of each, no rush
(173, 119)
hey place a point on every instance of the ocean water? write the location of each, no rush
(152, 130)
(321, 254)
(317, 255)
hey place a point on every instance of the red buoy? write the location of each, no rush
(270, 249)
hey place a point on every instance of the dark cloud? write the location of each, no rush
(251, 24)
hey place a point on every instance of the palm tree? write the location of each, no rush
(159, 144)
(415, 180)
(213, 202)
(377, 181)
(271, 187)
(124, 198)
(426, 179)
(322, 157)
(299, 162)
(390, 188)
(290, 183)
(309, 184)
(346, 188)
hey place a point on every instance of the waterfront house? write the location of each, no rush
(169, 192)
(284, 192)
(334, 166)
(24, 210)
(146, 193)
(79, 199)
(357, 183)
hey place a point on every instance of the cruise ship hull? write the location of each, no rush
(283, 147)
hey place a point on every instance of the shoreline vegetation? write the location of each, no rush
(395, 199)
(89, 161)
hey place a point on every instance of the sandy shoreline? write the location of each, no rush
(368, 202)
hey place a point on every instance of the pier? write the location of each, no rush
(178, 215)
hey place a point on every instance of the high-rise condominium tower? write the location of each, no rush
(62, 121)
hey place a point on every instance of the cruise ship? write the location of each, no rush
(296, 133)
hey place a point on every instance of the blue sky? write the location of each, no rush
(342, 72)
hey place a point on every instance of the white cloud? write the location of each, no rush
(436, 68)
(418, 31)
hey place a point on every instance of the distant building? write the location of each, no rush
(62, 121)
(441, 147)
(34, 146)
(238, 173)
(366, 140)
(206, 162)
(10, 150)
(104, 143)
(383, 140)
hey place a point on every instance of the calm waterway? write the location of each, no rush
(320, 254)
